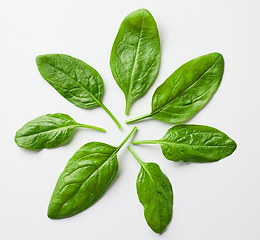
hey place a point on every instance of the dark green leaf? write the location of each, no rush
(135, 55)
(48, 131)
(187, 90)
(155, 193)
(194, 143)
(85, 179)
(74, 79)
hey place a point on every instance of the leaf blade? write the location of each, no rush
(84, 180)
(155, 194)
(188, 89)
(196, 143)
(158, 199)
(48, 131)
(135, 55)
(74, 79)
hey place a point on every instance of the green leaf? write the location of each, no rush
(85, 179)
(48, 131)
(194, 143)
(155, 194)
(187, 90)
(74, 79)
(135, 55)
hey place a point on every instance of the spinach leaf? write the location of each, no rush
(85, 179)
(194, 143)
(155, 193)
(48, 131)
(74, 79)
(187, 90)
(135, 55)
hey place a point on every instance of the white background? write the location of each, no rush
(211, 201)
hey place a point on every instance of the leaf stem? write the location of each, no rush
(111, 115)
(137, 118)
(92, 127)
(145, 142)
(135, 155)
(128, 136)
(127, 107)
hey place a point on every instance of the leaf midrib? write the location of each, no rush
(194, 146)
(136, 56)
(56, 129)
(153, 183)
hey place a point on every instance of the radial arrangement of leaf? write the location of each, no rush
(134, 62)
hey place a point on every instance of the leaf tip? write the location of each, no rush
(38, 58)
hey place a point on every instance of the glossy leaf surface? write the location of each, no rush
(74, 79)
(187, 90)
(135, 55)
(194, 143)
(85, 179)
(48, 131)
(155, 194)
